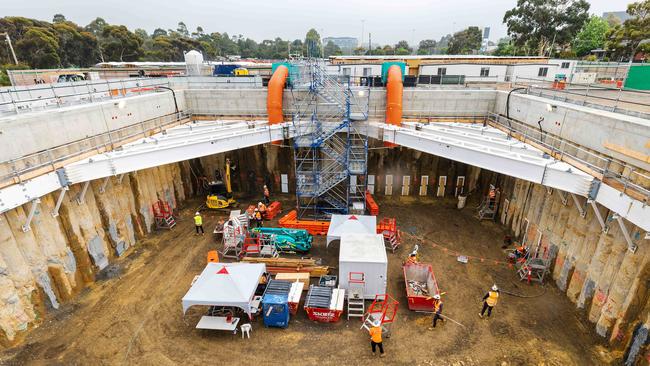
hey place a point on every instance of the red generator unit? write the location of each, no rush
(324, 304)
(421, 285)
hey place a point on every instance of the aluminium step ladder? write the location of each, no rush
(356, 299)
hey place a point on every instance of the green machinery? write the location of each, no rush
(297, 240)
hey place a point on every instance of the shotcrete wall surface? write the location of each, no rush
(595, 268)
(53, 261)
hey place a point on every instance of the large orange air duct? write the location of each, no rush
(274, 96)
(394, 90)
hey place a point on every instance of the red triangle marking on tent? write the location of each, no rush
(352, 218)
(223, 270)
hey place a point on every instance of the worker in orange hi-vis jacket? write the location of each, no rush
(375, 338)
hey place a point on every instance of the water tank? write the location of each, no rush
(193, 62)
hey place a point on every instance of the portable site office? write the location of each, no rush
(362, 257)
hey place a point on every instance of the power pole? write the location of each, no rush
(369, 44)
(362, 21)
(8, 40)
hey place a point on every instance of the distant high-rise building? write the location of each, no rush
(486, 36)
(347, 44)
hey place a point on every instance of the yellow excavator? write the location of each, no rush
(220, 191)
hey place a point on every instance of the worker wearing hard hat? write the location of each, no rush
(490, 300)
(375, 338)
(262, 208)
(437, 310)
(198, 223)
(267, 195)
(257, 215)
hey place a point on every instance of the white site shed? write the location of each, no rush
(351, 224)
(363, 257)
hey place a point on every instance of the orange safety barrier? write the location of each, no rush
(371, 205)
(314, 227)
(273, 209)
(387, 224)
(213, 256)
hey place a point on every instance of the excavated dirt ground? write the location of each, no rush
(133, 315)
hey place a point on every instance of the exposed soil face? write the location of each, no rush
(133, 315)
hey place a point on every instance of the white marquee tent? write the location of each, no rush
(353, 224)
(225, 284)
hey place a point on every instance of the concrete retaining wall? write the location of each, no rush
(29, 133)
(593, 129)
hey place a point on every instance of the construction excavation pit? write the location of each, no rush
(315, 219)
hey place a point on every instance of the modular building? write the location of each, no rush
(363, 262)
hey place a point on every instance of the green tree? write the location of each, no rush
(505, 48)
(119, 44)
(297, 47)
(378, 51)
(426, 47)
(312, 45)
(634, 34)
(332, 50)
(39, 47)
(592, 35)
(96, 27)
(182, 29)
(199, 32)
(158, 32)
(141, 33)
(76, 47)
(540, 25)
(465, 42)
(403, 48)
(58, 18)
(388, 50)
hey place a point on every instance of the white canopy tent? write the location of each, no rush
(353, 224)
(225, 284)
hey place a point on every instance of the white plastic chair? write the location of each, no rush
(246, 328)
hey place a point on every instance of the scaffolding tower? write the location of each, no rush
(331, 150)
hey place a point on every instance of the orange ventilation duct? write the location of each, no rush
(274, 96)
(394, 90)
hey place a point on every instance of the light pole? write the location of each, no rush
(413, 40)
(362, 23)
(8, 40)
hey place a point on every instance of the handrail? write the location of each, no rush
(603, 168)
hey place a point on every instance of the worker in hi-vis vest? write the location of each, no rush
(437, 311)
(489, 300)
(375, 338)
(198, 223)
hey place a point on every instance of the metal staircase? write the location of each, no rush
(332, 144)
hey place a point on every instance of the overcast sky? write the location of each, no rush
(388, 20)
